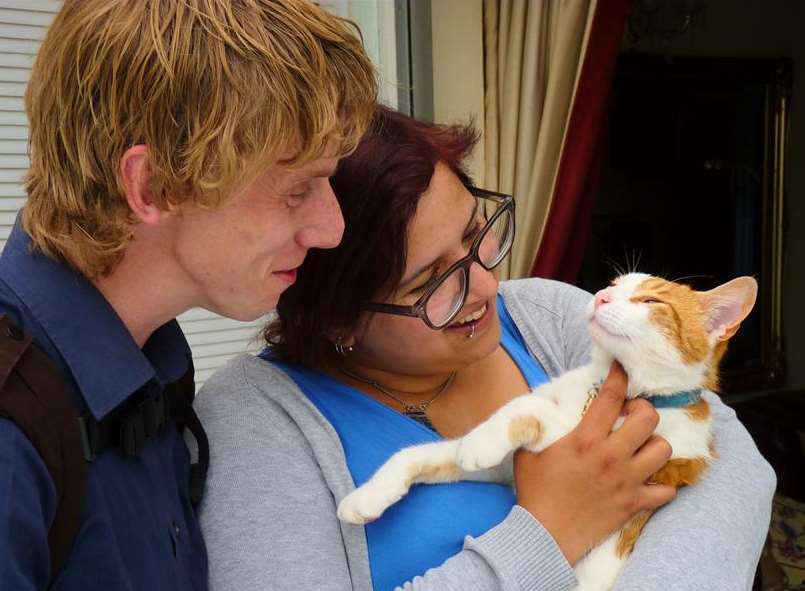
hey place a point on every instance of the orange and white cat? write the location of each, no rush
(669, 339)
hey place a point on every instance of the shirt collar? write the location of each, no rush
(96, 346)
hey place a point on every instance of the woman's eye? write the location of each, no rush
(426, 285)
(422, 288)
(470, 236)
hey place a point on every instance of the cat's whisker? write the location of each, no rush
(678, 279)
(615, 266)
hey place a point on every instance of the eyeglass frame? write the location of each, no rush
(417, 309)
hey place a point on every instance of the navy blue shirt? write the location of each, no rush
(138, 530)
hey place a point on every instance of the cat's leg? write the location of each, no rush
(429, 462)
(598, 570)
(530, 421)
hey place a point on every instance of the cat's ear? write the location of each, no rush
(727, 305)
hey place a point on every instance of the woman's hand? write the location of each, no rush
(593, 480)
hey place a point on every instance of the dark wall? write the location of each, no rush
(765, 29)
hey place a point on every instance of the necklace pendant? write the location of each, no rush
(592, 394)
(420, 417)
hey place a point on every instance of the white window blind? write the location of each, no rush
(212, 338)
(22, 27)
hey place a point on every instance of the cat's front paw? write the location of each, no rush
(482, 448)
(367, 503)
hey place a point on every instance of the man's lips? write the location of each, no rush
(288, 275)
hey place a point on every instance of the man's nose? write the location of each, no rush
(322, 223)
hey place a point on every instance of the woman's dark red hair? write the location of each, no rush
(378, 188)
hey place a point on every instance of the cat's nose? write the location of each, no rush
(601, 298)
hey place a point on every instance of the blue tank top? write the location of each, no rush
(429, 524)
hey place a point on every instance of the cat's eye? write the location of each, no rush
(651, 301)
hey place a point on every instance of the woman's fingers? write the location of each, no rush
(651, 457)
(639, 424)
(605, 409)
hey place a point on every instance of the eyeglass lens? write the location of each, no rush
(446, 301)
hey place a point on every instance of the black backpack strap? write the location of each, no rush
(181, 394)
(134, 424)
(34, 395)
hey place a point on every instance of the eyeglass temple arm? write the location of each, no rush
(393, 308)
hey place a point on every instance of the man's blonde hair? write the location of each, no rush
(215, 89)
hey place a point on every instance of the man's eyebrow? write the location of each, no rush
(319, 170)
(424, 268)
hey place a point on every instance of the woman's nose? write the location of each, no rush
(482, 282)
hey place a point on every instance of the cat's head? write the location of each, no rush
(667, 336)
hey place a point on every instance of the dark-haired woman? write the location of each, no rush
(402, 335)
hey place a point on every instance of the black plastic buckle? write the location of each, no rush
(132, 434)
(89, 437)
(155, 412)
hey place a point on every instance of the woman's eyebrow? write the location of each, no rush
(424, 268)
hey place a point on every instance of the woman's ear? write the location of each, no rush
(345, 340)
(135, 172)
(343, 345)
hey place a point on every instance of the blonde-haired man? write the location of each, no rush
(180, 155)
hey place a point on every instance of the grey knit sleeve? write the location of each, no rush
(276, 475)
(267, 516)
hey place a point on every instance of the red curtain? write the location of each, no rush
(563, 242)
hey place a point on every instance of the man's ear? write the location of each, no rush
(135, 171)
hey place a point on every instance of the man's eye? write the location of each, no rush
(301, 189)
(296, 195)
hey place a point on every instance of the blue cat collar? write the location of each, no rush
(676, 400)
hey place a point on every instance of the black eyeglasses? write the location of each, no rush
(447, 293)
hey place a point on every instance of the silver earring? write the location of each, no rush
(342, 350)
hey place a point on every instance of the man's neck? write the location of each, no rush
(144, 292)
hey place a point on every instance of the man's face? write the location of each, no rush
(238, 259)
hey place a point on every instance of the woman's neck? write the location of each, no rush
(409, 388)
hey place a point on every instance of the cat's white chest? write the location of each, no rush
(689, 437)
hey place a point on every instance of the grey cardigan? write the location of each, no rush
(278, 472)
